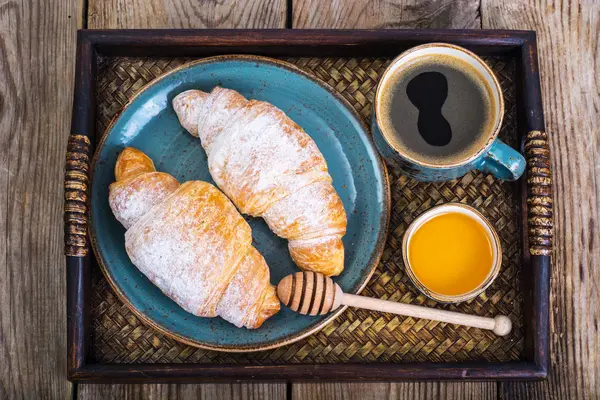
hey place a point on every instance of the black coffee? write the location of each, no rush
(439, 108)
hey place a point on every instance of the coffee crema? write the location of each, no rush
(437, 110)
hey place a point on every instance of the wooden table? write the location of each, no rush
(37, 52)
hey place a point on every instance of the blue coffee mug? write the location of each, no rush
(492, 156)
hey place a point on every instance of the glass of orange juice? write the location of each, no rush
(451, 253)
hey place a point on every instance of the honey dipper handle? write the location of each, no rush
(501, 325)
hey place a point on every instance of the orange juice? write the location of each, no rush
(451, 254)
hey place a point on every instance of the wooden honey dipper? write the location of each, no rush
(315, 294)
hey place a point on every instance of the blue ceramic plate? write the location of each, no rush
(149, 123)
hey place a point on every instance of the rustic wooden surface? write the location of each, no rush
(255, 391)
(355, 14)
(386, 14)
(121, 14)
(110, 14)
(400, 391)
(37, 42)
(36, 74)
(569, 60)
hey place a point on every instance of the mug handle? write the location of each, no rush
(502, 161)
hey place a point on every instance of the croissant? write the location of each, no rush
(269, 167)
(191, 242)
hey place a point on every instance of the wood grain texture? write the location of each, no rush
(185, 14)
(567, 32)
(112, 14)
(258, 391)
(413, 390)
(389, 14)
(569, 59)
(37, 52)
(386, 14)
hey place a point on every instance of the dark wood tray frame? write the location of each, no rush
(536, 193)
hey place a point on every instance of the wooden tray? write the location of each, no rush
(107, 342)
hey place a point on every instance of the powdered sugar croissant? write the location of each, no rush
(191, 242)
(269, 167)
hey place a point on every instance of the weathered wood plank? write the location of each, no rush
(569, 60)
(389, 14)
(416, 390)
(205, 391)
(570, 78)
(37, 51)
(386, 14)
(109, 14)
(185, 14)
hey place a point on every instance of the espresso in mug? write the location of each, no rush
(437, 109)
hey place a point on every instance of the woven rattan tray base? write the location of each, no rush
(357, 335)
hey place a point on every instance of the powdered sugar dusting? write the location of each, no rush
(196, 247)
(243, 297)
(132, 198)
(191, 244)
(261, 157)
(212, 119)
(188, 105)
(314, 211)
(270, 167)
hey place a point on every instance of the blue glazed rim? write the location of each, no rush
(373, 259)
